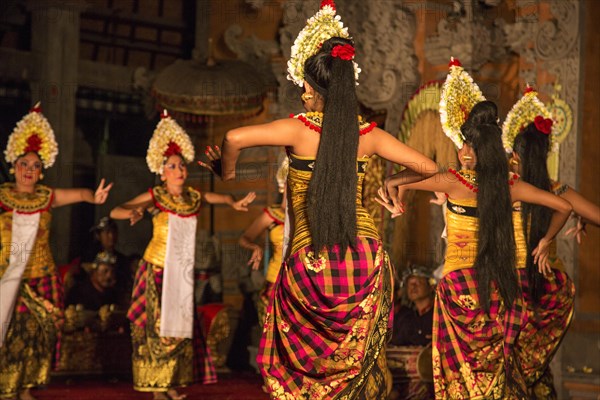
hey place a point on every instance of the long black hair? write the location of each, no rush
(532, 146)
(495, 260)
(332, 188)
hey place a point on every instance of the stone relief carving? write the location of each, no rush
(465, 35)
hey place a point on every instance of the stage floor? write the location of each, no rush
(240, 386)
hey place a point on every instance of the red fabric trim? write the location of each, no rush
(368, 129)
(275, 219)
(318, 129)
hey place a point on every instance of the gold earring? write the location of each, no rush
(11, 171)
(513, 162)
(306, 97)
(41, 176)
(162, 178)
(467, 158)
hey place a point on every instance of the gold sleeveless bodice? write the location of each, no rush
(188, 205)
(298, 179)
(276, 238)
(41, 262)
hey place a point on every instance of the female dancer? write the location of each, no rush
(272, 219)
(478, 311)
(549, 298)
(168, 347)
(327, 323)
(30, 291)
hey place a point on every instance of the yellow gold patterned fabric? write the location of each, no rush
(41, 262)
(520, 242)
(159, 363)
(185, 206)
(462, 237)
(26, 357)
(276, 239)
(298, 181)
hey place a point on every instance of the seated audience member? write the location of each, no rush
(106, 236)
(409, 355)
(413, 322)
(99, 289)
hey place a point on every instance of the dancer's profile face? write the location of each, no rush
(28, 169)
(175, 170)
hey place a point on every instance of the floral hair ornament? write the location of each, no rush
(459, 95)
(33, 133)
(168, 139)
(345, 52)
(543, 125)
(527, 110)
(324, 25)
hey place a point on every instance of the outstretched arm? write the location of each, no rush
(258, 226)
(588, 211)
(522, 191)
(63, 197)
(238, 205)
(277, 133)
(417, 166)
(133, 210)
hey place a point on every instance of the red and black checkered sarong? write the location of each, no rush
(473, 352)
(546, 326)
(327, 323)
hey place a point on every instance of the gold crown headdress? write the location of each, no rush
(168, 139)
(324, 25)
(282, 173)
(459, 96)
(33, 133)
(527, 110)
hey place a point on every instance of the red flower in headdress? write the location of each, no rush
(543, 125)
(34, 144)
(345, 52)
(454, 62)
(172, 149)
(329, 3)
(528, 89)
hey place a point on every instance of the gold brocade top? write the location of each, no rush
(277, 214)
(40, 261)
(298, 180)
(461, 229)
(186, 205)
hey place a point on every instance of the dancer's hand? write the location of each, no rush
(256, 258)
(386, 201)
(242, 205)
(135, 215)
(101, 193)
(213, 153)
(540, 256)
(578, 230)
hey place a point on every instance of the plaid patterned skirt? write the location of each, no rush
(26, 356)
(473, 353)
(161, 363)
(327, 324)
(542, 334)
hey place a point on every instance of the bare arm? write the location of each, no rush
(522, 191)
(588, 211)
(277, 133)
(63, 197)
(133, 210)
(417, 166)
(258, 226)
(238, 205)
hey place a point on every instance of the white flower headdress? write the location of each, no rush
(525, 111)
(33, 133)
(168, 139)
(324, 25)
(459, 95)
